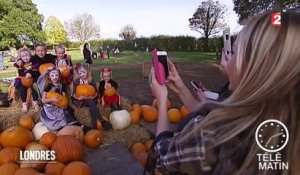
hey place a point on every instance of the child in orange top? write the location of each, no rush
(112, 98)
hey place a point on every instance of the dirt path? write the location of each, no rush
(137, 90)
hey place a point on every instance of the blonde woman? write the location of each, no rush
(264, 74)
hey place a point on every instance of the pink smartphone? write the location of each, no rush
(160, 64)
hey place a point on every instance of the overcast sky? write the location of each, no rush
(167, 17)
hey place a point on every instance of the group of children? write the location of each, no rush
(42, 83)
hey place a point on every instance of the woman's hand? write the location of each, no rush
(56, 99)
(107, 85)
(174, 80)
(159, 91)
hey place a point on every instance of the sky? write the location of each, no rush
(148, 17)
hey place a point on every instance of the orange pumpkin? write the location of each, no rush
(77, 168)
(9, 154)
(135, 117)
(16, 136)
(67, 149)
(44, 67)
(93, 138)
(63, 103)
(48, 139)
(184, 111)
(38, 165)
(85, 90)
(174, 115)
(138, 148)
(8, 169)
(64, 71)
(148, 144)
(137, 108)
(26, 82)
(150, 114)
(155, 103)
(110, 91)
(26, 121)
(99, 125)
(54, 168)
(26, 171)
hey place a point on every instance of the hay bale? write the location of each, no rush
(128, 136)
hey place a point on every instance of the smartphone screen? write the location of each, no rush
(162, 58)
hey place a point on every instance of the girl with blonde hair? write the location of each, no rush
(264, 74)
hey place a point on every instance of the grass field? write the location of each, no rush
(126, 57)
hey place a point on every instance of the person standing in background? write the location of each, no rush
(87, 55)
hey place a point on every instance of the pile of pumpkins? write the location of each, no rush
(69, 150)
(150, 112)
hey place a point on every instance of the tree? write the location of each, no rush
(208, 19)
(245, 9)
(83, 28)
(20, 23)
(54, 30)
(128, 32)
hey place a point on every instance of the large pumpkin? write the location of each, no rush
(26, 82)
(135, 117)
(137, 108)
(64, 71)
(16, 136)
(67, 149)
(63, 103)
(38, 165)
(150, 114)
(8, 169)
(26, 121)
(9, 154)
(44, 67)
(85, 90)
(26, 171)
(54, 168)
(110, 91)
(174, 115)
(48, 139)
(77, 168)
(120, 119)
(93, 138)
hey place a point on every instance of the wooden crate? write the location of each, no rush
(146, 67)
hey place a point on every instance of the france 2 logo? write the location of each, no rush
(276, 19)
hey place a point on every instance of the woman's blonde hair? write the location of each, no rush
(268, 65)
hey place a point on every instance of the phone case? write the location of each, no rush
(158, 68)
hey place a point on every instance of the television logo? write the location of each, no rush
(37, 156)
(276, 19)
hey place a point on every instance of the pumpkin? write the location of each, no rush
(155, 103)
(184, 111)
(137, 108)
(174, 115)
(26, 171)
(8, 169)
(26, 121)
(38, 165)
(48, 139)
(99, 125)
(135, 117)
(110, 91)
(77, 168)
(138, 148)
(141, 158)
(26, 82)
(149, 144)
(63, 103)
(44, 67)
(64, 71)
(54, 168)
(38, 130)
(16, 136)
(72, 130)
(9, 154)
(93, 138)
(120, 119)
(85, 90)
(150, 114)
(67, 149)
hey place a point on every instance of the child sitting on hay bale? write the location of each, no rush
(28, 74)
(85, 94)
(53, 114)
(108, 90)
